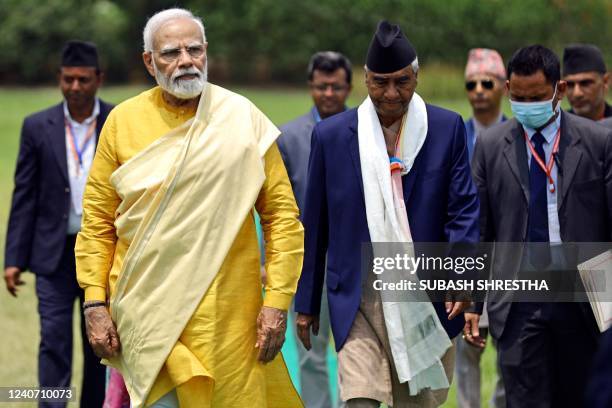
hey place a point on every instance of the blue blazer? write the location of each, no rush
(440, 197)
(36, 233)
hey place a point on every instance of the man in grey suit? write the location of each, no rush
(329, 78)
(545, 349)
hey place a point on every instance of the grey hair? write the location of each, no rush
(159, 19)
(414, 65)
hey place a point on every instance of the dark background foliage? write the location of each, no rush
(264, 41)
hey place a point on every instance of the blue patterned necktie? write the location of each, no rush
(537, 225)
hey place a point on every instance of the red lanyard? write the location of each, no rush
(77, 153)
(551, 161)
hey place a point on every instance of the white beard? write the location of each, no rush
(182, 88)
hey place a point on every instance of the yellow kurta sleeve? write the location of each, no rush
(95, 246)
(283, 232)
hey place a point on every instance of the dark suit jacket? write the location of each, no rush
(599, 392)
(440, 197)
(294, 146)
(38, 220)
(584, 198)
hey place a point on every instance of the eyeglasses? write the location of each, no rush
(172, 54)
(334, 87)
(486, 84)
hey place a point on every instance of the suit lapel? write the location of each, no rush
(569, 157)
(469, 133)
(57, 138)
(354, 151)
(516, 156)
(104, 111)
(409, 179)
(100, 122)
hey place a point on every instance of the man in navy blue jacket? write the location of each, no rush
(439, 201)
(57, 147)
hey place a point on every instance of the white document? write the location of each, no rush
(596, 274)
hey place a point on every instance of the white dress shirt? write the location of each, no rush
(77, 175)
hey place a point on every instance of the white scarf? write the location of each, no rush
(417, 339)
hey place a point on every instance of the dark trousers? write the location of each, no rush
(545, 354)
(56, 295)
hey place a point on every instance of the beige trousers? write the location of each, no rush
(366, 368)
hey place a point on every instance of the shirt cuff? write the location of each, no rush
(277, 300)
(95, 293)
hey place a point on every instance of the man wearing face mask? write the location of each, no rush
(544, 176)
(169, 237)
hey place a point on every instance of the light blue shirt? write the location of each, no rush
(549, 133)
(315, 114)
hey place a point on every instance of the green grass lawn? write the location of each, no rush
(19, 318)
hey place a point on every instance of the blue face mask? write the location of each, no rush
(534, 114)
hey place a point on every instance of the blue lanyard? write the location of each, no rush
(76, 151)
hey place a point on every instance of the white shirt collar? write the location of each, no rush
(94, 114)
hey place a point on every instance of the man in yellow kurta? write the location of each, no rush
(168, 240)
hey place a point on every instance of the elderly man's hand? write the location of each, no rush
(101, 331)
(271, 326)
(303, 324)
